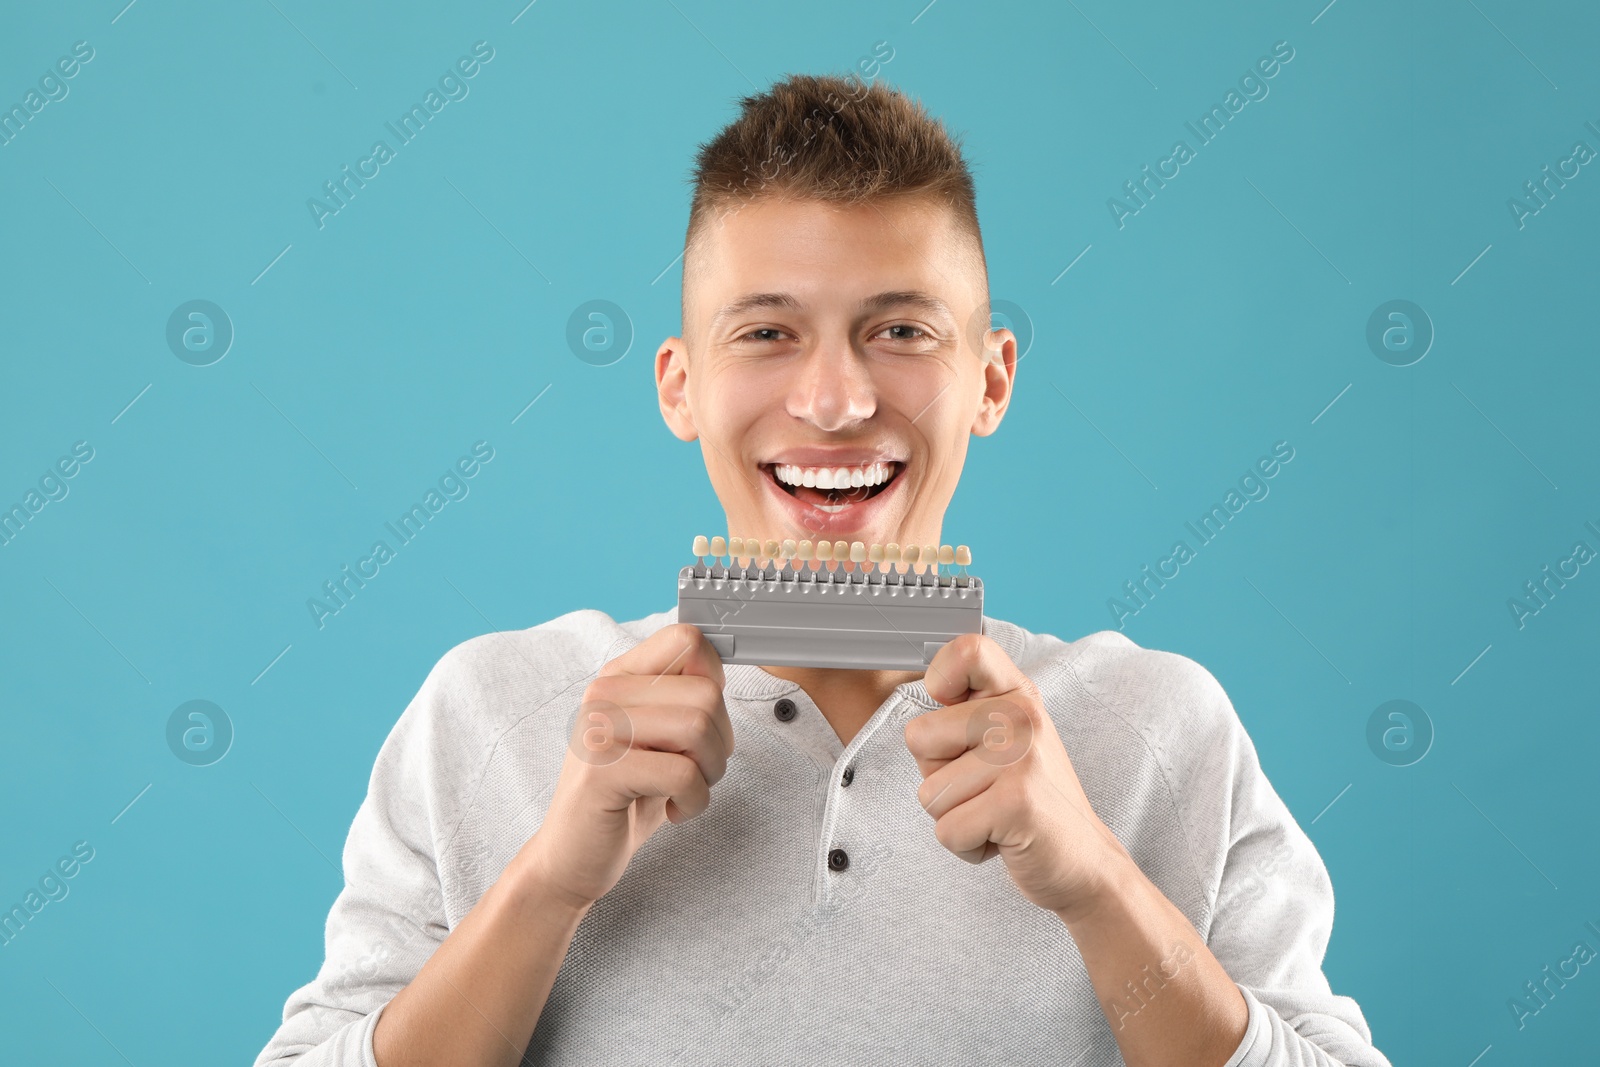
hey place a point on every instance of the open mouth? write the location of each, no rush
(833, 489)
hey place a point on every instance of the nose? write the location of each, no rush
(833, 388)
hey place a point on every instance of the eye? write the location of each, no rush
(916, 333)
(761, 330)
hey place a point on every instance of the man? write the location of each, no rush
(592, 842)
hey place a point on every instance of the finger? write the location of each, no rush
(971, 667)
(936, 737)
(629, 691)
(646, 773)
(677, 649)
(604, 733)
(955, 783)
(1001, 727)
(966, 831)
(688, 731)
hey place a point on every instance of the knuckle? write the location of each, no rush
(680, 633)
(699, 727)
(683, 775)
(706, 692)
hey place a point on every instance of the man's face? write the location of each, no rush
(834, 363)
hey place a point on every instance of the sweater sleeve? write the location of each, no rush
(1273, 905)
(389, 917)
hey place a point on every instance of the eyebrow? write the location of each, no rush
(877, 302)
(755, 302)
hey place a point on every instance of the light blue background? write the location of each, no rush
(1224, 317)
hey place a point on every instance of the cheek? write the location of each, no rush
(730, 404)
(936, 406)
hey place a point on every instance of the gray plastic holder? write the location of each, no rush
(841, 619)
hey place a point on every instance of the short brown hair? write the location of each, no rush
(831, 138)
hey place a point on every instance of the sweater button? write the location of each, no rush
(838, 859)
(784, 709)
(849, 775)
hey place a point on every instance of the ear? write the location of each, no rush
(672, 379)
(999, 377)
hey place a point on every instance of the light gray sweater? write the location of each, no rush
(730, 939)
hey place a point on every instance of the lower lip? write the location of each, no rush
(857, 518)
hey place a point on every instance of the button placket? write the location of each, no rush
(831, 834)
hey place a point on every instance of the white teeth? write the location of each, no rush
(867, 475)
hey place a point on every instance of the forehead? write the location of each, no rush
(825, 253)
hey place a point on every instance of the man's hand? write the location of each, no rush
(651, 737)
(997, 780)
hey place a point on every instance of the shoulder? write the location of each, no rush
(1148, 714)
(542, 659)
(1158, 747)
(1149, 689)
(487, 684)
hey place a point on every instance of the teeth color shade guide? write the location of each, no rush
(838, 604)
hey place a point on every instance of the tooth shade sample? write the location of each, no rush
(747, 551)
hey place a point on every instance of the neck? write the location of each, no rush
(847, 699)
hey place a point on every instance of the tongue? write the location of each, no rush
(830, 497)
(815, 496)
